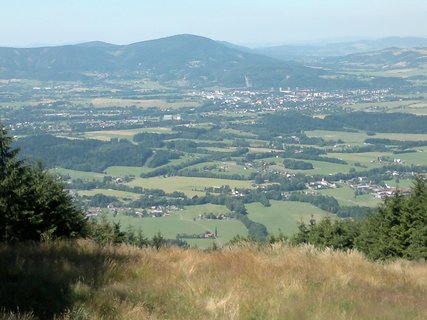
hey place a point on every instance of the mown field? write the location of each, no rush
(107, 135)
(189, 185)
(346, 197)
(284, 216)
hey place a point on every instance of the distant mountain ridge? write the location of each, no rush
(186, 61)
(312, 52)
(381, 60)
(183, 60)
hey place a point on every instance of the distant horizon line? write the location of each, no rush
(325, 41)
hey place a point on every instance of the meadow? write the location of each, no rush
(82, 280)
(107, 135)
(351, 138)
(324, 168)
(122, 195)
(185, 221)
(346, 197)
(284, 216)
(418, 107)
(415, 158)
(189, 185)
(358, 138)
(76, 174)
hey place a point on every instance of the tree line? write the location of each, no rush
(398, 229)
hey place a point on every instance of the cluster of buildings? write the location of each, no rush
(362, 185)
(322, 184)
(251, 101)
(154, 211)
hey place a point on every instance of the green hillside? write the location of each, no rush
(183, 60)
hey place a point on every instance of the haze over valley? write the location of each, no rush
(160, 169)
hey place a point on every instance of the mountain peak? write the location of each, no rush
(183, 60)
(95, 44)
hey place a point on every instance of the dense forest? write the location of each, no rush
(85, 155)
(273, 125)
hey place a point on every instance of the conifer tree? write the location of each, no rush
(397, 230)
(33, 203)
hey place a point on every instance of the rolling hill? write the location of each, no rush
(184, 60)
(314, 52)
(382, 60)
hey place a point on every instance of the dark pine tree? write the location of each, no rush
(33, 203)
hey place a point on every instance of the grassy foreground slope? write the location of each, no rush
(81, 280)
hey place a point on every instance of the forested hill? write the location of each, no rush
(280, 123)
(182, 60)
(381, 60)
(315, 51)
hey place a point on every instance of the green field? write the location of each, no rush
(319, 167)
(123, 195)
(184, 222)
(283, 216)
(364, 158)
(75, 174)
(352, 138)
(107, 135)
(415, 158)
(358, 138)
(188, 185)
(224, 168)
(345, 197)
(401, 183)
(122, 171)
(402, 136)
(323, 168)
(418, 107)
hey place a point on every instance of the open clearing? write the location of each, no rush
(75, 174)
(107, 135)
(123, 195)
(284, 216)
(323, 168)
(188, 185)
(345, 197)
(418, 107)
(186, 221)
(352, 138)
(358, 138)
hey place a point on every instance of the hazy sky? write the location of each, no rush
(248, 22)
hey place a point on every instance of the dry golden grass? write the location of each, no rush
(246, 281)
